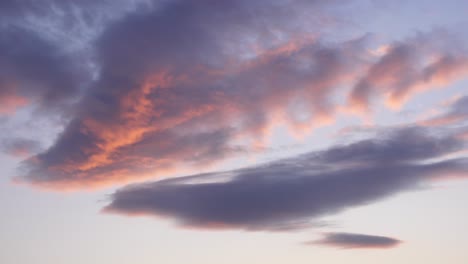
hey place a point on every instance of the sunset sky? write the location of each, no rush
(233, 131)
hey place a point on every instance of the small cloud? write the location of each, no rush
(456, 113)
(355, 241)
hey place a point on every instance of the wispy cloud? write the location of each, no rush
(169, 99)
(162, 85)
(20, 147)
(407, 68)
(456, 112)
(196, 92)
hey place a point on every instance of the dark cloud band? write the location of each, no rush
(288, 193)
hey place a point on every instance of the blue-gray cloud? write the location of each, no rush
(20, 147)
(34, 70)
(287, 194)
(353, 241)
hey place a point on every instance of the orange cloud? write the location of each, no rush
(144, 117)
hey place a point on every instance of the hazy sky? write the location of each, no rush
(240, 131)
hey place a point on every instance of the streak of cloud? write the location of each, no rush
(288, 194)
(355, 241)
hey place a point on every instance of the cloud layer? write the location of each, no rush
(184, 83)
(454, 113)
(128, 90)
(180, 95)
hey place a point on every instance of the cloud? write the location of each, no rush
(70, 11)
(355, 241)
(20, 147)
(32, 69)
(295, 192)
(456, 112)
(183, 84)
(408, 68)
(173, 96)
(46, 50)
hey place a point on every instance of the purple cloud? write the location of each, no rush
(20, 147)
(173, 90)
(181, 83)
(406, 68)
(355, 241)
(287, 194)
(34, 70)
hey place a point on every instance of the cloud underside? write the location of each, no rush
(190, 83)
(355, 241)
(296, 192)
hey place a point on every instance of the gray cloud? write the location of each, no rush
(455, 113)
(33, 70)
(20, 147)
(355, 241)
(289, 193)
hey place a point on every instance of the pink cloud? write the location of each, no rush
(405, 70)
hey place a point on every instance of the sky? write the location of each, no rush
(246, 131)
